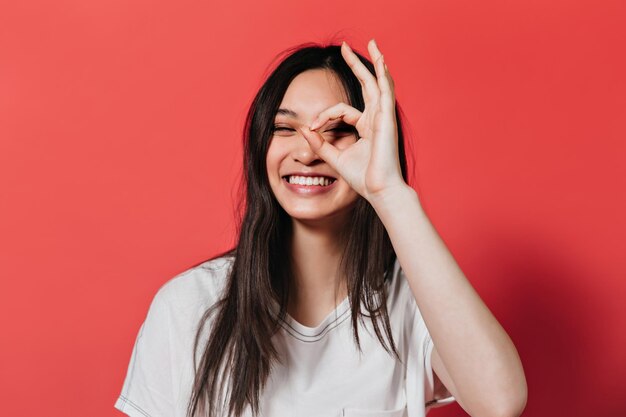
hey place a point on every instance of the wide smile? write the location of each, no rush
(305, 186)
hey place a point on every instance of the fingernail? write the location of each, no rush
(314, 124)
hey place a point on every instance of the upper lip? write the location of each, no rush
(309, 174)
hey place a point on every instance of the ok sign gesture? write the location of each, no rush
(371, 165)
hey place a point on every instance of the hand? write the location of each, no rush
(371, 165)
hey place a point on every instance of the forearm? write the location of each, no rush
(474, 348)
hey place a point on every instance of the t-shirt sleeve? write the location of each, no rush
(431, 402)
(419, 374)
(147, 389)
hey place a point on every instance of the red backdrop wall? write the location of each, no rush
(120, 148)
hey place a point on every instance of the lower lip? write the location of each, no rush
(309, 189)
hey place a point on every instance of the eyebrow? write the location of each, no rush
(287, 112)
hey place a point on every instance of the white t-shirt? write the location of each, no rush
(323, 373)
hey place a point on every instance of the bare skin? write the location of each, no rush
(473, 358)
(318, 289)
(316, 220)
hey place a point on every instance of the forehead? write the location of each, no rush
(312, 91)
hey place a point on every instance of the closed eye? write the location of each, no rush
(342, 130)
(283, 131)
(334, 130)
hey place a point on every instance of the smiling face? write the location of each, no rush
(309, 93)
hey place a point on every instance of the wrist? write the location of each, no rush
(390, 198)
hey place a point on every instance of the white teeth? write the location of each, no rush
(294, 179)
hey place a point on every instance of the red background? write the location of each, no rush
(120, 148)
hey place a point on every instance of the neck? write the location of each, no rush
(318, 285)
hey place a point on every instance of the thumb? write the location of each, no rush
(325, 150)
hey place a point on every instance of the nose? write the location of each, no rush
(303, 153)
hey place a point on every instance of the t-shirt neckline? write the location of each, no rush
(312, 334)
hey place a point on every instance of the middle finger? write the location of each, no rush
(368, 81)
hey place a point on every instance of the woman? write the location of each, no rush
(315, 311)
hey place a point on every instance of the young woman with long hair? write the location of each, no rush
(339, 298)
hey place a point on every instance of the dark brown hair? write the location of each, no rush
(239, 354)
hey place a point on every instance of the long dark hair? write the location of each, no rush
(239, 353)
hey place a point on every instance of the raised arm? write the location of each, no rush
(473, 357)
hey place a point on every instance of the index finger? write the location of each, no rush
(340, 110)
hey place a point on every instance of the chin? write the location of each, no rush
(307, 214)
(312, 215)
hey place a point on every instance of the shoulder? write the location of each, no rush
(195, 287)
(164, 343)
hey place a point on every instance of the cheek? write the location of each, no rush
(270, 160)
(353, 195)
(272, 167)
(347, 195)
(275, 152)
